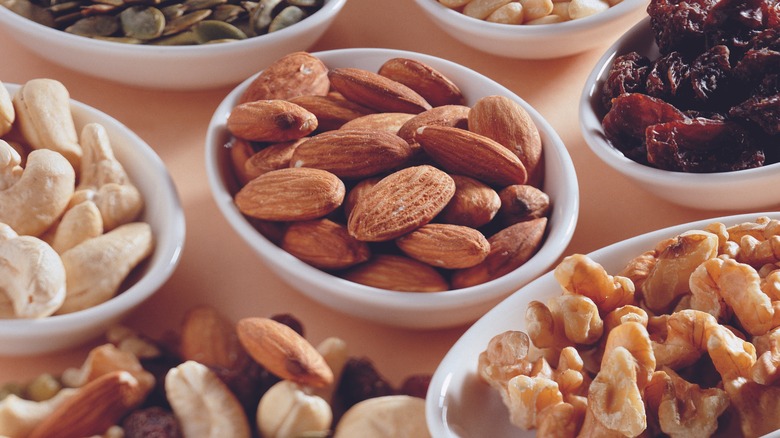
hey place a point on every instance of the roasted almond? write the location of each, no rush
(270, 121)
(240, 151)
(274, 157)
(510, 248)
(400, 203)
(352, 153)
(291, 194)
(474, 204)
(505, 121)
(284, 352)
(449, 115)
(428, 82)
(331, 112)
(208, 337)
(296, 74)
(376, 92)
(522, 202)
(390, 122)
(399, 273)
(324, 244)
(445, 245)
(357, 191)
(467, 153)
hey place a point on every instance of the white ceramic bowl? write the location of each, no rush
(170, 68)
(162, 211)
(423, 310)
(459, 404)
(543, 41)
(739, 190)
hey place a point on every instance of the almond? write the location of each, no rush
(357, 191)
(376, 92)
(400, 203)
(397, 273)
(240, 151)
(331, 112)
(274, 157)
(449, 115)
(324, 244)
(96, 406)
(390, 122)
(352, 153)
(445, 245)
(510, 248)
(474, 204)
(505, 121)
(467, 153)
(270, 121)
(291, 194)
(296, 74)
(284, 352)
(207, 337)
(521, 203)
(428, 82)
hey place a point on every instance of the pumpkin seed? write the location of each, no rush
(262, 15)
(186, 38)
(306, 3)
(142, 22)
(185, 22)
(228, 13)
(289, 16)
(96, 26)
(194, 5)
(213, 30)
(30, 11)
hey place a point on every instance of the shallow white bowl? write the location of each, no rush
(162, 210)
(459, 404)
(414, 310)
(739, 190)
(170, 68)
(543, 41)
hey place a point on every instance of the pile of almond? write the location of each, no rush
(387, 178)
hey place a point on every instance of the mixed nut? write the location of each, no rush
(69, 215)
(529, 11)
(682, 342)
(387, 178)
(166, 22)
(214, 378)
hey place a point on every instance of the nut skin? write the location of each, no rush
(390, 122)
(445, 245)
(271, 121)
(208, 337)
(474, 203)
(324, 244)
(428, 82)
(455, 116)
(399, 273)
(331, 112)
(376, 92)
(274, 157)
(295, 74)
(522, 202)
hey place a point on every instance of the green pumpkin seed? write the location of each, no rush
(195, 5)
(228, 13)
(173, 11)
(186, 38)
(142, 22)
(30, 11)
(289, 16)
(262, 15)
(212, 30)
(185, 22)
(306, 3)
(96, 26)
(126, 40)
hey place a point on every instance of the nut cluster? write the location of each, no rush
(687, 332)
(69, 229)
(388, 179)
(529, 11)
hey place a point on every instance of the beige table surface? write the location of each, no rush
(217, 268)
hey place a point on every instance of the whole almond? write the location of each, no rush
(474, 204)
(284, 352)
(400, 203)
(274, 157)
(270, 121)
(357, 191)
(505, 121)
(399, 273)
(240, 151)
(296, 74)
(448, 115)
(324, 244)
(467, 153)
(522, 202)
(428, 82)
(208, 337)
(445, 245)
(352, 153)
(331, 112)
(291, 194)
(390, 122)
(510, 248)
(376, 92)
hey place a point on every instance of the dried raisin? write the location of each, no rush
(628, 74)
(154, 422)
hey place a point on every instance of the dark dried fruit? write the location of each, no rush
(359, 381)
(290, 321)
(734, 23)
(248, 382)
(628, 74)
(678, 25)
(761, 110)
(668, 78)
(416, 385)
(710, 76)
(154, 422)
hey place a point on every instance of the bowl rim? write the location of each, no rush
(564, 213)
(169, 255)
(329, 9)
(593, 133)
(453, 17)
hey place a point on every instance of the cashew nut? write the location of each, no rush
(32, 276)
(18, 416)
(45, 120)
(387, 416)
(7, 113)
(96, 267)
(79, 223)
(35, 197)
(288, 410)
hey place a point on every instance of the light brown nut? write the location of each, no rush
(352, 153)
(324, 244)
(390, 122)
(384, 417)
(240, 151)
(480, 9)
(357, 191)
(106, 359)
(399, 273)
(467, 153)
(536, 9)
(474, 204)
(400, 203)
(283, 352)
(579, 274)
(510, 13)
(295, 74)
(208, 337)
(270, 121)
(455, 116)
(503, 120)
(376, 92)
(7, 113)
(274, 157)
(521, 202)
(331, 112)
(94, 408)
(428, 82)
(617, 379)
(510, 248)
(292, 194)
(445, 245)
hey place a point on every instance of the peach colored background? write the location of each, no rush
(219, 269)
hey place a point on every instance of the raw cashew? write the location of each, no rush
(289, 410)
(39, 194)
(104, 180)
(386, 416)
(96, 267)
(78, 224)
(18, 416)
(45, 120)
(32, 276)
(7, 114)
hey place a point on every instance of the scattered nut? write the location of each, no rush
(387, 416)
(288, 410)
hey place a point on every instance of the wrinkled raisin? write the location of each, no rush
(710, 76)
(415, 385)
(248, 381)
(761, 110)
(153, 422)
(359, 381)
(678, 25)
(290, 321)
(627, 74)
(734, 23)
(668, 78)
(159, 367)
